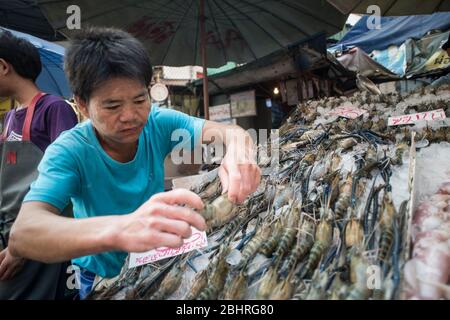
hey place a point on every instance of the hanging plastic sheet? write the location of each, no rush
(357, 60)
(415, 57)
(426, 55)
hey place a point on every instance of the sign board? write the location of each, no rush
(220, 112)
(416, 117)
(196, 241)
(243, 104)
(348, 112)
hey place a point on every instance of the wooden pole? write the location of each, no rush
(204, 64)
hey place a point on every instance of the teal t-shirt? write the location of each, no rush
(75, 167)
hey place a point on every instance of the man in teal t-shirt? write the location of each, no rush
(111, 167)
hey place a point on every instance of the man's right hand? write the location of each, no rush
(161, 222)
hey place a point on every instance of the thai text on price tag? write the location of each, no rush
(348, 112)
(196, 241)
(415, 117)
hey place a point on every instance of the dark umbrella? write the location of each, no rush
(205, 32)
(26, 16)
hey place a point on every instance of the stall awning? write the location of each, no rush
(394, 31)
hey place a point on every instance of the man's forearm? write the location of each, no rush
(42, 235)
(164, 220)
(232, 136)
(238, 135)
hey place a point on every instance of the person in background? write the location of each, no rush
(27, 132)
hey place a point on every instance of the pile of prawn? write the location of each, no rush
(326, 221)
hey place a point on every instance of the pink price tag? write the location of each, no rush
(347, 112)
(197, 240)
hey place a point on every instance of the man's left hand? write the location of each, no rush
(239, 173)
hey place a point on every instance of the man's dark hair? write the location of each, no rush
(21, 54)
(99, 54)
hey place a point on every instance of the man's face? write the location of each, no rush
(119, 110)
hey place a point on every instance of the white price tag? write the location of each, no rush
(416, 117)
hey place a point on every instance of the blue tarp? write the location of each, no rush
(394, 31)
(52, 78)
(393, 58)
